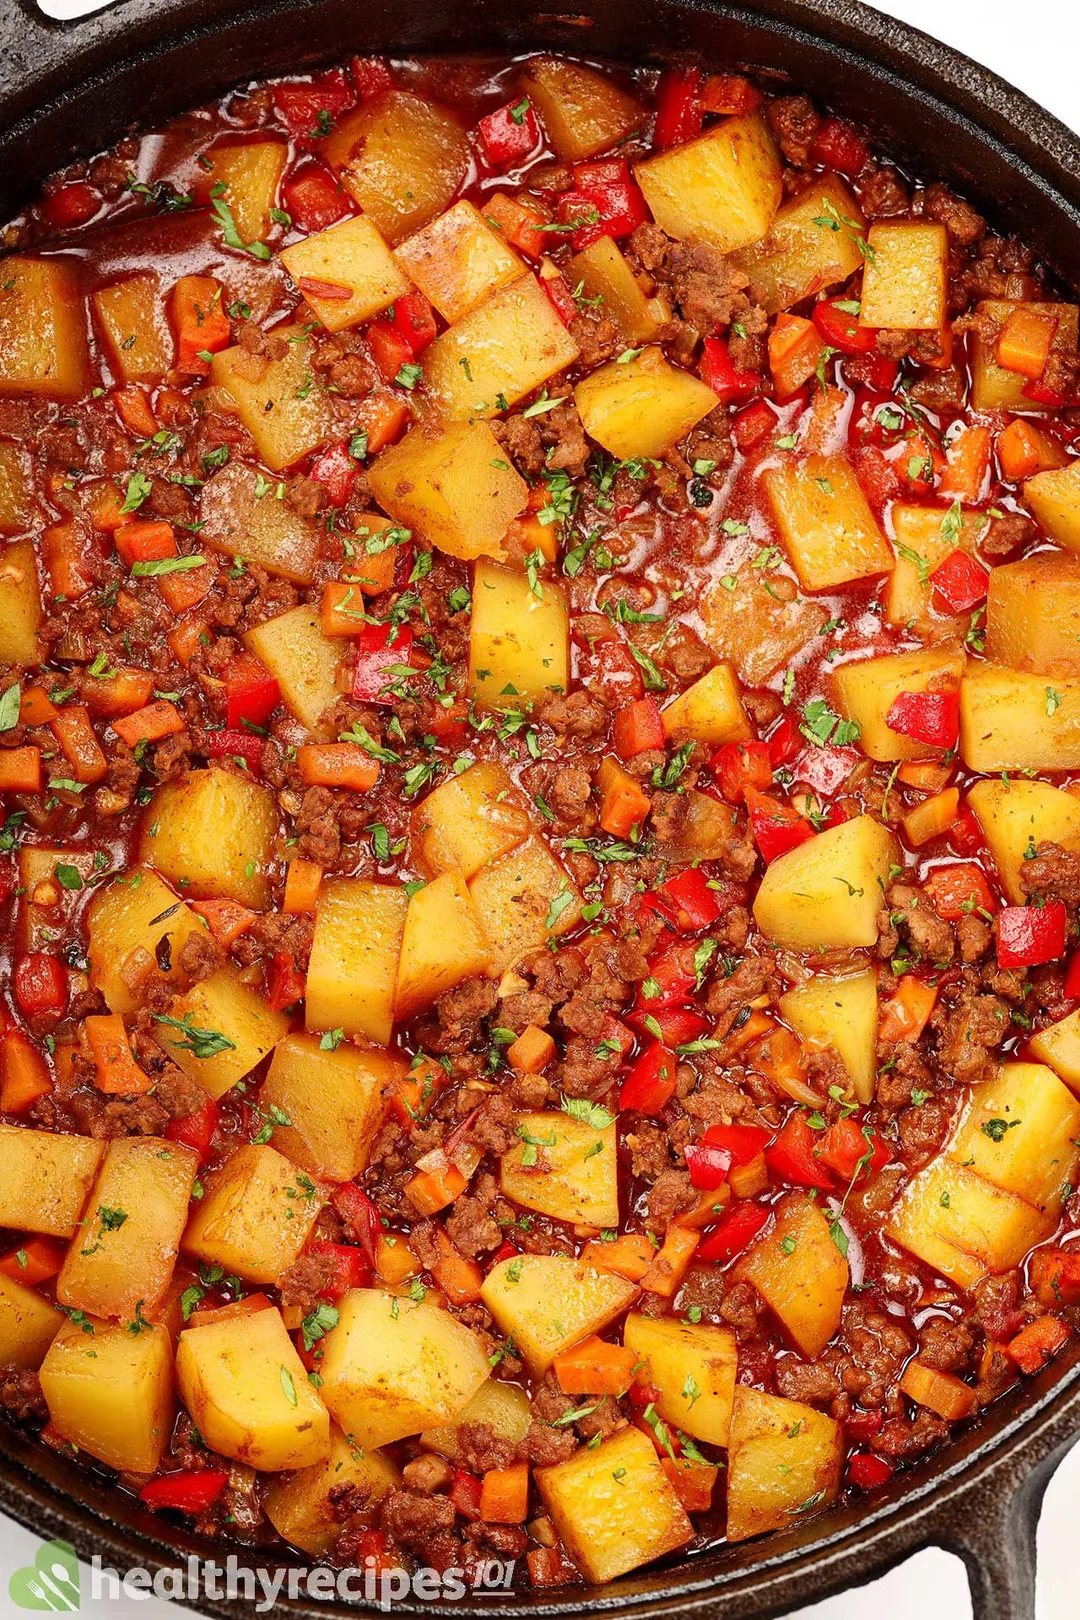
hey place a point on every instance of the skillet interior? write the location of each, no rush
(70, 89)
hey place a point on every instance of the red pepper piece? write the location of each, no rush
(72, 204)
(932, 718)
(841, 329)
(245, 745)
(785, 743)
(741, 1142)
(959, 583)
(313, 198)
(740, 765)
(775, 826)
(380, 650)
(197, 1130)
(637, 728)
(353, 1269)
(192, 1490)
(605, 201)
(868, 1472)
(836, 146)
(414, 321)
(679, 113)
(668, 983)
(863, 1426)
(336, 471)
(308, 110)
(561, 300)
(753, 425)
(40, 983)
(792, 1159)
(707, 1163)
(965, 834)
(696, 905)
(251, 692)
(719, 372)
(465, 1494)
(286, 984)
(389, 348)
(359, 1216)
(650, 1084)
(509, 135)
(371, 76)
(845, 1147)
(1028, 935)
(734, 1233)
(1042, 394)
(1072, 977)
(678, 1025)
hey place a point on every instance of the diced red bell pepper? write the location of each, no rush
(696, 905)
(40, 983)
(679, 113)
(286, 984)
(742, 1142)
(707, 1163)
(72, 204)
(389, 349)
(730, 94)
(197, 1129)
(791, 1158)
(878, 477)
(192, 1490)
(509, 135)
(359, 1216)
(637, 728)
(841, 329)
(251, 692)
(678, 1026)
(932, 718)
(668, 983)
(776, 827)
(720, 373)
(836, 146)
(380, 650)
(353, 1268)
(371, 76)
(414, 320)
(882, 373)
(844, 1147)
(960, 889)
(650, 1084)
(1043, 394)
(785, 743)
(965, 834)
(734, 1233)
(308, 110)
(740, 765)
(465, 1494)
(1072, 977)
(753, 425)
(1028, 935)
(605, 201)
(867, 1472)
(959, 583)
(336, 471)
(313, 198)
(245, 745)
(560, 298)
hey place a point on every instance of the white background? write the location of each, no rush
(1035, 48)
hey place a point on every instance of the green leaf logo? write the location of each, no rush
(50, 1582)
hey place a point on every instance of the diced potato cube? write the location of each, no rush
(643, 406)
(20, 605)
(45, 1179)
(710, 711)
(813, 245)
(227, 1006)
(602, 271)
(524, 899)
(1059, 1046)
(723, 188)
(963, 1226)
(301, 659)
(583, 111)
(993, 388)
(280, 402)
(255, 1215)
(46, 909)
(504, 1407)
(137, 335)
(17, 508)
(401, 158)
(354, 957)
(335, 1101)
(841, 1013)
(549, 1303)
(693, 1366)
(241, 516)
(126, 922)
(249, 1394)
(211, 833)
(826, 893)
(756, 633)
(519, 639)
(470, 820)
(301, 1506)
(564, 1167)
(1019, 1133)
(510, 344)
(1016, 816)
(353, 256)
(614, 1507)
(43, 348)
(800, 1274)
(123, 1256)
(250, 173)
(454, 489)
(1033, 613)
(1012, 720)
(458, 260)
(110, 1392)
(923, 540)
(904, 282)
(784, 1459)
(865, 690)
(443, 943)
(392, 1367)
(1054, 498)
(28, 1325)
(825, 522)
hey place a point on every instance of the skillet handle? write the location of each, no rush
(993, 1529)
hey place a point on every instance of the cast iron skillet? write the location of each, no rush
(67, 89)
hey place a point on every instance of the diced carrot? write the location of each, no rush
(958, 890)
(36, 708)
(709, 1207)
(1055, 1277)
(1024, 450)
(226, 919)
(629, 1256)
(431, 1190)
(595, 1367)
(527, 535)
(932, 818)
(134, 409)
(780, 1057)
(81, 749)
(927, 776)
(939, 1392)
(338, 765)
(904, 1016)
(187, 589)
(24, 1074)
(65, 561)
(820, 425)
(412, 1096)
(122, 691)
(504, 1494)
(694, 1482)
(518, 222)
(795, 348)
(105, 506)
(670, 1264)
(372, 572)
(202, 326)
(342, 611)
(967, 465)
(943, 359)
(460, 1279)
(36, 1260)
(532, 1051)
(203, 1315)
(157, 720)
(394, 1260)
(1025, 341)
(117, 1070)
(623, 803)
(20, 770)
(1035, 1344)
(302, 882)
(187, 637)
(145, 542)
(382, 417)
(757, 1025)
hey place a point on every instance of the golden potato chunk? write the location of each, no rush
(242, 516)
(255, 1215)
(468, 821)
(499, 352)
(755, 632)
(524, 899)
(458, 260)
(443, 943)
(28, 1325)
(925, 536)
(963, 1226)
(565, 1167)
(504, 1407)
(211, 833)
(1059, 1046)
(1033, 614)
(249, 173)
(110, 1392)
(614, 1506)
(126, 922)
(519, 639)
(1016, 816)
(841, 1013)
(335, 1100)
(392, 1366)
(354, 958)
(710, 711)
(20, 605)
(17, 505)
(1019, 1133)
(1054, 498)
(904, 282)
(866, 689)
(993, 388)
(1014, 720)
(825, 522)
(352, 258)
(813, 245)
(455, 488)
(723, 188)
(602, 271)
(45, 1179)
(401, 158)
(225, 1006)
(301, 659)
(280, 402)
(549, 1303)
(43, 348)
(46, 910)
(641, 406)
(800, 1273)
(784, 1460)
(137, 335)
(301, 1506)
(583, 111)
(693, 1366)
(826, 893)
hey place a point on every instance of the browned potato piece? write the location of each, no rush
(784, 1459)
(510, 344)
(45, 1179)
(111, 1392)
(458, 260)
(468, 821)
(825, 522)
(335, 1101)
(137, 335)
(243, 517)
(800, 1274)
(20, 604)
(583, 111)
(803, 254)
(249, 173)
(353, 256)
(43, 348)
(402, 158)
(211, 832)
(255, 1215)
(17, 505)
(1033, 614)
(758, 634)
(455, 488)
(280, 402)
(614, 1506)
